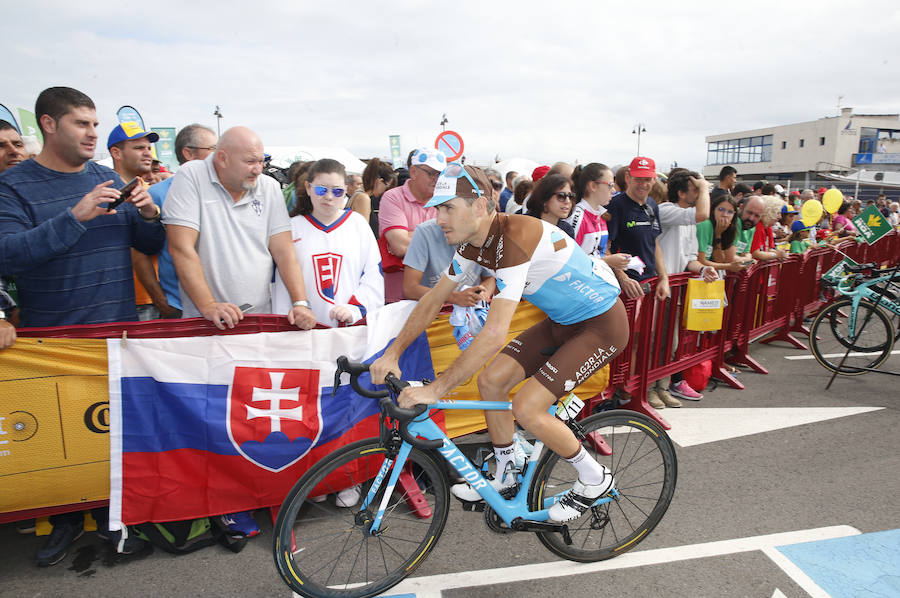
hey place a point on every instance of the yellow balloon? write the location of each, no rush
(811, 212)
(832, 200)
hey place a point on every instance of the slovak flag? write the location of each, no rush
(202, 426)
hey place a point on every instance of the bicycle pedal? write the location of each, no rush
(471, 505)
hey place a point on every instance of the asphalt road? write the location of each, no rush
(747, 484)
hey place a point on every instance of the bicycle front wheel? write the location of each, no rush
(323, 542)
(641, 457)
(869, 340)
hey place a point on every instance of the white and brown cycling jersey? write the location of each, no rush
(533, 260)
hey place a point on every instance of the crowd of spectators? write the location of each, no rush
(208, 241)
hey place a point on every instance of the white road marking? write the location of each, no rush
(432, 585)
(796, 573)
(833, 355)
(698, 426)
(778, 594)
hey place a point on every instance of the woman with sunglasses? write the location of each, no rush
(336, 250)
(594, 188)
(551, 200)
(716, 236)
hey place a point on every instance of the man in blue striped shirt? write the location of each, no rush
(71, 253)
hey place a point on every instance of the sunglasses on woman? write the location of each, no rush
(564, 196)
(322, 191)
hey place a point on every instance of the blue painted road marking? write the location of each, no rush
(850, 567)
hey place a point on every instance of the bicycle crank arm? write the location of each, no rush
(521, 525)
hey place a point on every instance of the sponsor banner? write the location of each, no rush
(397, 160)
(165, 147)
(6, 115)
(871, 224)
(54, 423)
(29, 124)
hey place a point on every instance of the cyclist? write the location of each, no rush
(585, 328)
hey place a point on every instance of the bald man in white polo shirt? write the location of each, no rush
(226, 224)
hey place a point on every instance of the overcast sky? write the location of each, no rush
(548, 81)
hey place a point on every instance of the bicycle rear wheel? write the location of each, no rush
(642, 459)
(322, 549)
(869, 341)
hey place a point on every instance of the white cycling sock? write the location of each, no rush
(504, 455)
(589, 471)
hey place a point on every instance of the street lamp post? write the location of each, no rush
(218, 115)
(637, 130)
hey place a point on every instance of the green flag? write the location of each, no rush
(871, 224)
(165, 147)
(29, 124)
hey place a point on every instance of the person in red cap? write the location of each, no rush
(539, 172)
(634, 228)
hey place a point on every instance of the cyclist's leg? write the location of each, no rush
(494, 384)
(583, 349)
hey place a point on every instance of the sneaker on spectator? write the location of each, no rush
(683, 390)
(654, 400)
(347, 497)
(668, 399)
(25, 527)
(57, 545)
(240, 524)
(131, 545)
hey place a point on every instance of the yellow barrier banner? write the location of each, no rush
(54, 413)
(54, 423)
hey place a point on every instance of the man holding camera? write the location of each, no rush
(68, 247)
(70, 253)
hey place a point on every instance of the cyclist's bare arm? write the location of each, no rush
(491, 339)
(420, 318)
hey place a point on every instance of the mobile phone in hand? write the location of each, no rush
(124, 194)
(245, 307)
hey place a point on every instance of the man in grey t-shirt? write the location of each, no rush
(226, 225)
(426, 260)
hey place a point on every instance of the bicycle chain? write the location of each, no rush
(492, 519)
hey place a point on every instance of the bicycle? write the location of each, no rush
(322, 549)
(854, 334)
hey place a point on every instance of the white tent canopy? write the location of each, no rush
(520, 165)
(285, 155)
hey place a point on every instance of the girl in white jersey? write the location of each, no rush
(594, 189)
(336, 249)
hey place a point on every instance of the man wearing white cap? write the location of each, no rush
(403, 208)
(586, 327)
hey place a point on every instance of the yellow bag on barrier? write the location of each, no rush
(704, 305)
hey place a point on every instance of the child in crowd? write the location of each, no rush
(799, 237)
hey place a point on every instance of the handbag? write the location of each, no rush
(389, 261)
(704, 305)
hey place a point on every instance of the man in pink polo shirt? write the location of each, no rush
(403, 208)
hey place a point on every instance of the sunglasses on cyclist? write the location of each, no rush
(322, 190)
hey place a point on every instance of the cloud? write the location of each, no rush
(550, 81)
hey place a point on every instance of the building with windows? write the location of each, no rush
(802, 152)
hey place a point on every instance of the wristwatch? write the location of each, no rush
(154, 217)
(2, 315)
(301, 303)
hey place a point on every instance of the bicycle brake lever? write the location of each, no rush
(342, 363)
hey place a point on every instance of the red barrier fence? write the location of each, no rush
(768, 302)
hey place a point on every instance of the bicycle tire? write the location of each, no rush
(645, 467)
(830, 337)
(322, 550)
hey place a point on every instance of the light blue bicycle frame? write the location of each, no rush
(507, 510)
